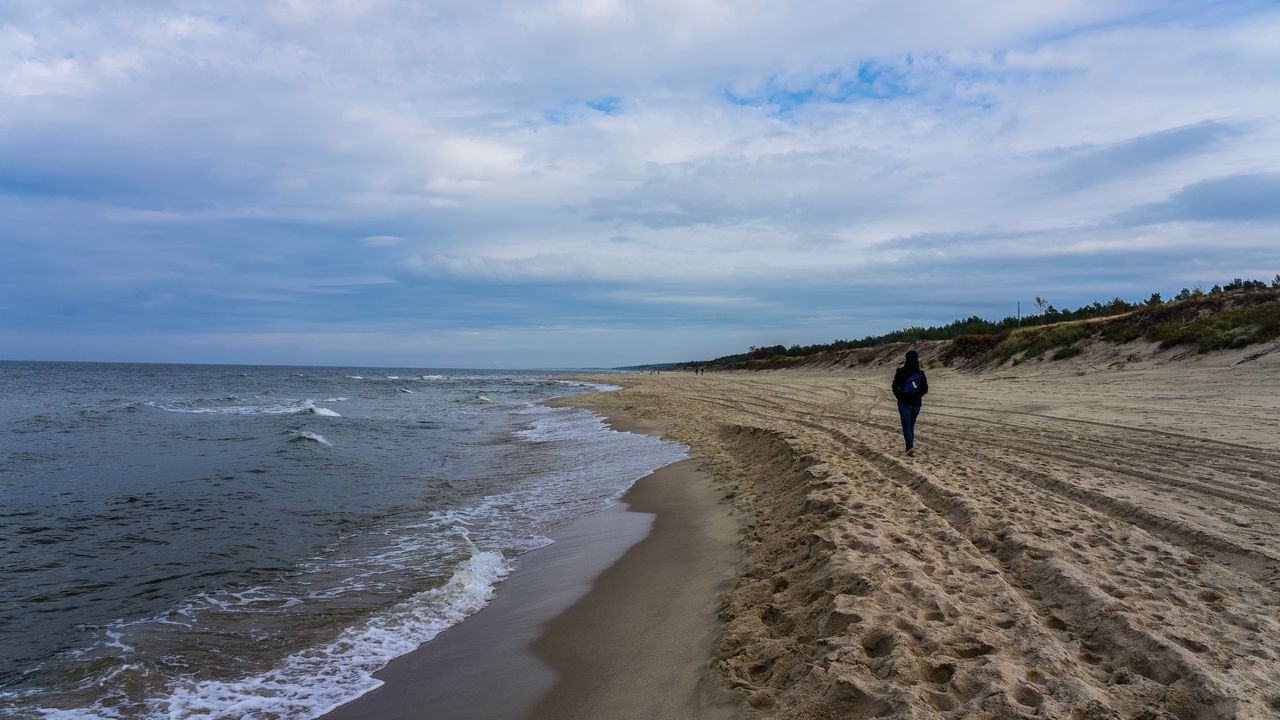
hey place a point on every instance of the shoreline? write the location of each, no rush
(616, 618)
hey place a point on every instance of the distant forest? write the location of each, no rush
(1047, 314)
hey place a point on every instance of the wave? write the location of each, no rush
(559, 424)
(314, 681)
(404, 390)
(600, 387)
(201, 407)
(317, 680)
(305, 435)
(314, 410)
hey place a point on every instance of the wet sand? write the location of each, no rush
(640, 644)
(616, 619)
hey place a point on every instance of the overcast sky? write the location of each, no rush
(597, 183)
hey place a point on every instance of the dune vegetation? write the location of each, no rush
(1240, 313)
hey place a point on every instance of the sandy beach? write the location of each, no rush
(1092, 538)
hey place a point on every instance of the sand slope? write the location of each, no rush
(1082, 539)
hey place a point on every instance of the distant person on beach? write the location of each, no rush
(909, 385)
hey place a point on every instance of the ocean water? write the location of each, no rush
(254, 542)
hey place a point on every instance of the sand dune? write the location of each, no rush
(1083, 539)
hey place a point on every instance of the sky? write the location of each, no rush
(551, 183)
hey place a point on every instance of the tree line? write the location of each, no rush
(978, 326)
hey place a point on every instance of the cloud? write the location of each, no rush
(797, 188)
(381, 241)
(686, 299)
(643, 165)
(1253, 197)
(1089, 166)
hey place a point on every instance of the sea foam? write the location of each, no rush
(312, 682)
(313, 437)
(203, 407)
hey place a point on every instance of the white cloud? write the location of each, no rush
(683, 299)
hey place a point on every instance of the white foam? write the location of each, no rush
(97, 712)
(599, 387)
(314, 681)
(355, 377)
(314, 437)
(430, 377)
(560, 424)
(580, 440)
(257, 597)
(323, 412)
(404, 390)
(305, 406)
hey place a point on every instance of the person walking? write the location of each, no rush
(909, 385)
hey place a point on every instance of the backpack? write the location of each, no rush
(911, 386)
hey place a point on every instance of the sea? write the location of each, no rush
(256, 541)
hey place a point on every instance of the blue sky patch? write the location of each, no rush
(866, 81)
(611, 105)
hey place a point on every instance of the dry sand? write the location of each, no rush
(1091, 538)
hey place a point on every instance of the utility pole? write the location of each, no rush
(1019, 313)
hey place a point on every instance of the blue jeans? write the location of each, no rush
(909, 414)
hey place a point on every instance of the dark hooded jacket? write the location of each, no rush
(912, 365)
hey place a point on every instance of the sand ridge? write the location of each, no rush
(1072, 540)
